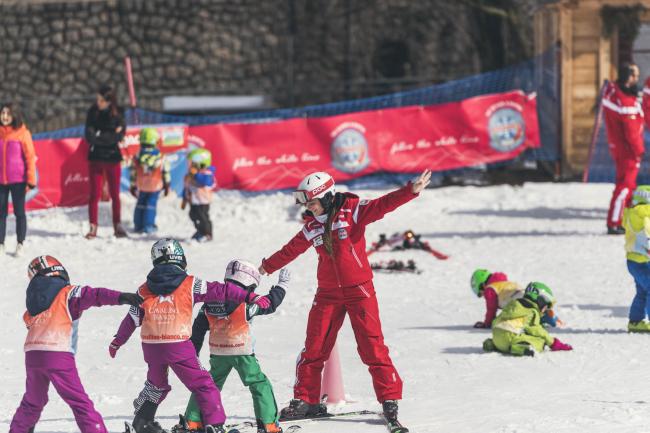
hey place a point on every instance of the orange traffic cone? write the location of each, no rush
(332, 383)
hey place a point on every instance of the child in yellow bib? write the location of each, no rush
(517, 329)
(636, 221)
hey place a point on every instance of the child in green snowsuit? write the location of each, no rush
(232, 346)
(517, 329)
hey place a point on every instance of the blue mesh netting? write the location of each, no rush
(602, 167)
(539, 74)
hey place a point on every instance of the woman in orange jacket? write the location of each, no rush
(17, 171)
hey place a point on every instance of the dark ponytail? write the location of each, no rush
(108, 93)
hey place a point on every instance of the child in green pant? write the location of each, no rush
(517, 329)
(232, 346)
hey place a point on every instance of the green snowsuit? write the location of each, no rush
(232, 346)
(518, 328)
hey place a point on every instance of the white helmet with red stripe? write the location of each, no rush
(315, 185)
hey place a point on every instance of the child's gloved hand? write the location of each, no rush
(558, 345)
(260, 301)
(166, 190)
(113, 347)
(134, 191)
(480, 325)
(130, 298)
(283, 278)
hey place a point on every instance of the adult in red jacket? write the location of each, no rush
(335, 226)
(624, 122)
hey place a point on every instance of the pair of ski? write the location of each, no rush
(393, 426)
(394, 244)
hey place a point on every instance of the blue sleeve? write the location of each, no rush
(204, 179)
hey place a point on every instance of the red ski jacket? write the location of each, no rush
(624, 121)
(349, 266)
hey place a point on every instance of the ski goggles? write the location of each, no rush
(303, 196)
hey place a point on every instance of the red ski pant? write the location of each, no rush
(626, 172)
(325, 319)
(97, 170)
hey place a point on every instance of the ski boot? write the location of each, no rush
(144, 419)
(119, 231)
(218, 428)
(488, 345)
(141, 425)
(273, 427)
(299, 409)
(390, 413)
(185, 426)
(640, 326)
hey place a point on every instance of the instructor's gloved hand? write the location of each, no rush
(558, 345)
(130, 298)
(480, 325)
(283, 278)
(113, 347)
(134, 191)
(260, 301)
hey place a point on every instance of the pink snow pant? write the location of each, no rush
(191, 374)
(60, 369)
(97, 170)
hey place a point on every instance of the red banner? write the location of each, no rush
(440, 137)
(279, 154)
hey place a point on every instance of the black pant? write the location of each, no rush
(17, 191)
(200, 216)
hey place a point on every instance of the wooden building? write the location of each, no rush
(591, 42)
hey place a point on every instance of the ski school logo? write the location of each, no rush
(507, 129)
(349, 148)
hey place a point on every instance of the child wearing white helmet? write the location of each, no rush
(636, 221)
(232, 346)
(335, 225)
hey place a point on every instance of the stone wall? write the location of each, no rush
(54, 54)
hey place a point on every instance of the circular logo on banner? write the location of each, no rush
(507, 129)
(349, 151)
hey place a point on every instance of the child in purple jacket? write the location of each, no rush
(54, 307)
(165, 320)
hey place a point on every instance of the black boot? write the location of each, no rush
(390, 413)
(301, 409)
(143, 421)
(390, 409)
(218, 428)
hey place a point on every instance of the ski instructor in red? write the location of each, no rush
(624, 123)
(335, 225)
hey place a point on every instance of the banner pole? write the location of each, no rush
(129, 80)
(594, 133)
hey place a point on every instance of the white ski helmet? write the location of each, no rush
(243, 272)
(315, 185)
(168, 251)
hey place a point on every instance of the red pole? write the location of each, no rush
(129, 80)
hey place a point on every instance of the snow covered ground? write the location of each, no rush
(548, 232)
